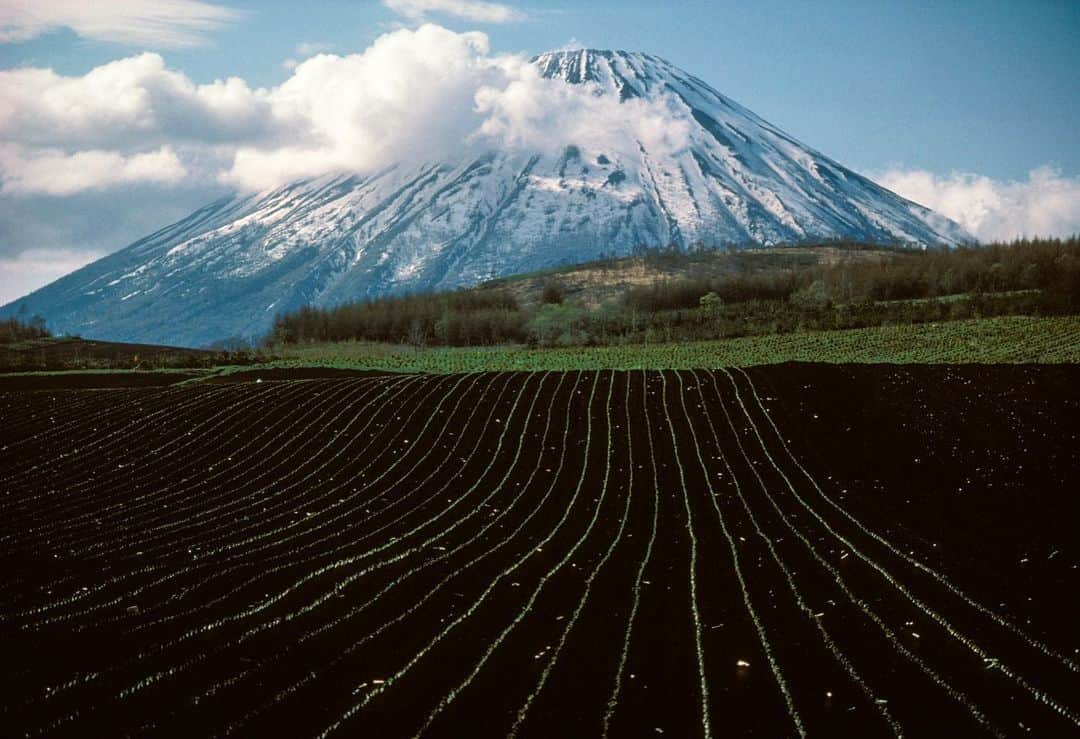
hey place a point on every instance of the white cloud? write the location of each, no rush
(35, 268)
(53, 172)
(167, 23)
(470, 10)
(429, 93)
(529, 111)
(415, 94)
(407, 96)
(131, 102)
(1046, 204)
(304, 49)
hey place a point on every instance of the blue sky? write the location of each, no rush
(989, 87)
(958, 103)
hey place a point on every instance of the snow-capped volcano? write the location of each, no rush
(710, 172)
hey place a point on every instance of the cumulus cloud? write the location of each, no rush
(414, 95)
(162, 23)
(1046, 204)
(53, 172)
(470, 10)
(130, 120)
(429, 93)
(303, 50)
(410, 95)
(135, 101)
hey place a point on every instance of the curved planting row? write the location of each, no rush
(149, 460)
(502, 554)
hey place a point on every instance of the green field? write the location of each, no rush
(1010, 339)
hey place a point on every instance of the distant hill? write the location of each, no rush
(592, 283)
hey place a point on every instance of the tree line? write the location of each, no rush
(760, 293)
(1042, 264)
(20, 328)
(461, 318)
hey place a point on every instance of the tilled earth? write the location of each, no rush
(797, 549)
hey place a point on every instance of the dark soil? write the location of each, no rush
(72, 352)
(546, 555)
(294, 373)
(90, 380)
(96, 380)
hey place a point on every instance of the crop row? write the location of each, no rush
(1011, 339)
(492, 554)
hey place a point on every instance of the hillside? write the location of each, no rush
(592, 283)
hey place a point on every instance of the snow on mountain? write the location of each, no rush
(730, 178)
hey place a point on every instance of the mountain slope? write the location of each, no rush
(226, 269)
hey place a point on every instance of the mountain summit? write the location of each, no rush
(724, 177)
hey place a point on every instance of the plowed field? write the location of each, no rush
(792, 550)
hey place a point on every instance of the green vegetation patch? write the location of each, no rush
(710, 296)
(1009, 339)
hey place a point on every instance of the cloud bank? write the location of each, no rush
(419, 94)
(159, 23)
(1046, 204)
(53, 172)
(129, 103)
